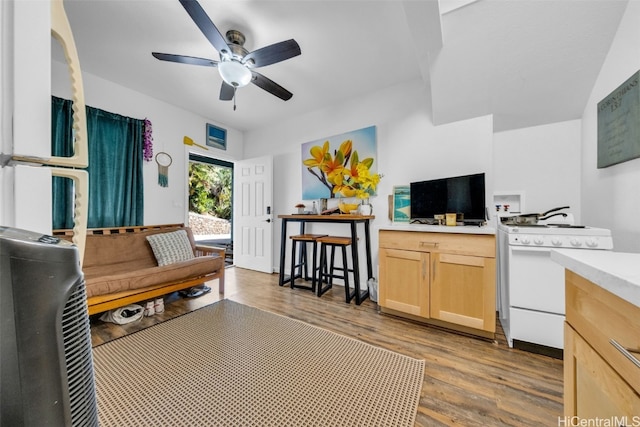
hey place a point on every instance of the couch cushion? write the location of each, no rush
(130, 249)
(171, 247)
(107, 281)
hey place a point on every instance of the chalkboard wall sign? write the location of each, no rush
(619, 124)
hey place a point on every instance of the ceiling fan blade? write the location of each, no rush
(273, 53)
(185, 59)
(203, 22)
(270, 86)
(226, 92)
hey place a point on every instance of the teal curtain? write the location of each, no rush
(115, 168)
(62, 137)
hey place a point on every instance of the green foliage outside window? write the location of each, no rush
(210, 190)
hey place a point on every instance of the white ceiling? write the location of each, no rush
(528, 62)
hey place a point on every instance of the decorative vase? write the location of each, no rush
(365, 207)
(346, 206)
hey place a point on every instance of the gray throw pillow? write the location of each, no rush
(172, 247)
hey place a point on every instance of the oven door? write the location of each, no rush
(535, 281)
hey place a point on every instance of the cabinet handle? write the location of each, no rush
(626, 353)
(424, 269)
(433, 268)
(431, 244)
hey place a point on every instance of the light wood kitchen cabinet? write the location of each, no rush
(447, 279)
(463, 290)
(601, 381)
(409, 273)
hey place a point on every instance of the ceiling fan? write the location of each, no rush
(236, 65)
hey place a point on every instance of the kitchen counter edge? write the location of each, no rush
(466, 229)
(617, 272)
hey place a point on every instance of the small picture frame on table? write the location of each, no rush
(401, 203)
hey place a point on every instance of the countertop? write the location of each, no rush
(466, 229)
(332, 217)
(617, 272)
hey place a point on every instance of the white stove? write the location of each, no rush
(559, 236)
(531, 286)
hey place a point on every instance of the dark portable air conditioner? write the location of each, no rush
(46, 366)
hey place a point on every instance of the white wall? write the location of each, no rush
(610, 196)
(6, 109)
(543, 163)
(33, 86)
(410, 148)
(170, 124)
(26, 120)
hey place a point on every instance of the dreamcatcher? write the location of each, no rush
(163, 160)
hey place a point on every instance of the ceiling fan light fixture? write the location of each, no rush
(234, 73)
(236, 63)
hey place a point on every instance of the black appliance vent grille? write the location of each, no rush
(79, 360)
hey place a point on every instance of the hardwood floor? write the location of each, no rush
(468, 381)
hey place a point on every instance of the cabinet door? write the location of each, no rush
(404, 281)
(463, 290)
(593, 389)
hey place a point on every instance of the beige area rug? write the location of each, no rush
(232, 365)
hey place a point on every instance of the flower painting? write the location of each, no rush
(340, 166)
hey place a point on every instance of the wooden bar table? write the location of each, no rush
(349, 219)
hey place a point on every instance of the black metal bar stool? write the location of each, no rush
(326, 272)
(303, 261)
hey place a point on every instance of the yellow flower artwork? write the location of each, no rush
(340, 166)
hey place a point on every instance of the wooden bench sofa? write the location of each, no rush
(120, 266)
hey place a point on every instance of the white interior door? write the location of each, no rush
(252, 214)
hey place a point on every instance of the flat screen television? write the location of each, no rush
(460, 194)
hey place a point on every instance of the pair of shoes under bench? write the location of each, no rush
(158, 305)
(196, 291)
(154, 307)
